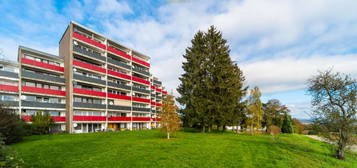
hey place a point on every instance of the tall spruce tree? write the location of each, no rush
(212, 86)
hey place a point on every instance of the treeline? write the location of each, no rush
(212, 91)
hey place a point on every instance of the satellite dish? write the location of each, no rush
(75, 125)
(75, 43)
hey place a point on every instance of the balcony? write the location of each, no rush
(118, 63)
(141, 90)
(141, 62)
(159, 97)
(42, 65)
(119, 53)
(157, 82)
(89, 66)
(55, 118)
(89, 118)
(88, 53)
(153, 95)
(117, 85)
(120, 75)
(10, 103)
(89, 92)
(42, 77)
(9, 88)
(88, 40)
(9, 74)
(136, 79)
(119, 119)
(43, 91)
(116, 96)
(141, 99)
(115, 107)
(89, 105)
(25, 103)
(141, 119)
(141, 109)
(88, 79)
(138, 70)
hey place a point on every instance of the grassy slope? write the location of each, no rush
(148, 149)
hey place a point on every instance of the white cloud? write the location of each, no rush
(289, 73)
(292, 32)
(113, 7)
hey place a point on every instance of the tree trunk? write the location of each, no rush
(224, 128)
(209, 128)
(168, 135)
(342, 143)
(203, 129)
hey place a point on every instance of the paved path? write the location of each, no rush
(352, 147)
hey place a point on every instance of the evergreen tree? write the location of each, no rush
(287, 124)
(211, 88)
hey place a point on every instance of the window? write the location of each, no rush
(55, 113)
(8, 97)
(53, 100)
(30, 84)
(54, 87)
(77, 99)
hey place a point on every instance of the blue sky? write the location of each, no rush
(278, 44)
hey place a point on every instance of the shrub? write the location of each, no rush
(11, 126)
(41, 123)
(274, 130)
(287, 126)
(8, 157)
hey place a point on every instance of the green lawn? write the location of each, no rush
(149, 149)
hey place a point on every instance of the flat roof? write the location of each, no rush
(40, 52)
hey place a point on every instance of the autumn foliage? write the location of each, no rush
(170, 121)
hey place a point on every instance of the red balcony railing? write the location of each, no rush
(43, 91)
(156, 119)
(89, 118)
(115, 96)
(141, 80)
(141, 62)
(164, 92)
(119, 74)
(89, 92)
(158, 104)
(55, 118)
(141, 119)
(153, 103)
(141, 99)
(9, 88)
(88, 40)
(89, 66)
(119, 119)
(42, 65)
(120, 53)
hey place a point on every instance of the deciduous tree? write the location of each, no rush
(255, 110)
(170, 121)
(334, 98)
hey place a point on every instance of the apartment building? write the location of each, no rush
(94, 84)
